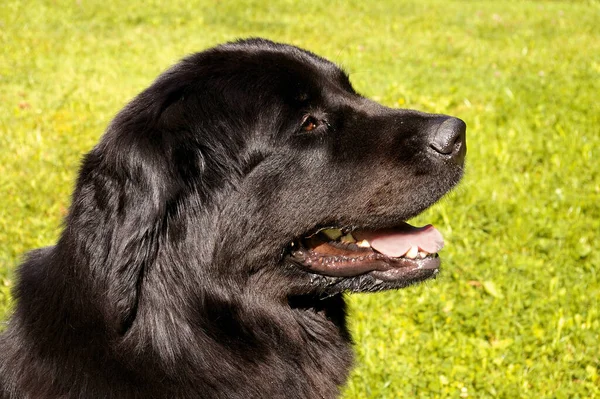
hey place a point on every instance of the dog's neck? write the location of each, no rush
(243, 333)
(235, 334)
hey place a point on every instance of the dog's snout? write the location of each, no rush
(448, 138)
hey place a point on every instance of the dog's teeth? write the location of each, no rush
(423, 254)
(348, 239)
(332, 234)
(412, 253)
(363, 244)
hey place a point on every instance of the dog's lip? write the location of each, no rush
(382, 267)
(389, 259)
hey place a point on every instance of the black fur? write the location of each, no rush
(170, 279)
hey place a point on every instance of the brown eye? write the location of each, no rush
(310, 124)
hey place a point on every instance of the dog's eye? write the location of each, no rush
(310, 123)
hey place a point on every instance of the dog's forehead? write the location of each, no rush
(317, 80)
(292, 66)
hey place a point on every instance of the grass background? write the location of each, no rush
(515, 312)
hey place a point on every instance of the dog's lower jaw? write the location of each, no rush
(314, 285)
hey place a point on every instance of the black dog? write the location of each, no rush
(215, 227)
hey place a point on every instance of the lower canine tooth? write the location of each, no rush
(363, 244)
(412, 253)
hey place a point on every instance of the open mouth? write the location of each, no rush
(387, 254)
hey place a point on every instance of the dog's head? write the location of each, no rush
(328, 177)
(257, 162)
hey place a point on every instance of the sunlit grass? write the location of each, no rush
(515, 312)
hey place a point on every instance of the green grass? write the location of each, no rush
(515, 312)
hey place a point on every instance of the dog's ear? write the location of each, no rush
(121, 205)
(168, 142)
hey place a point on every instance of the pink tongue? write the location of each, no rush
(397, 241)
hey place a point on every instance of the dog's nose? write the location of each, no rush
(449, 139)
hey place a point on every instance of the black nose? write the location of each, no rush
(449, 138)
